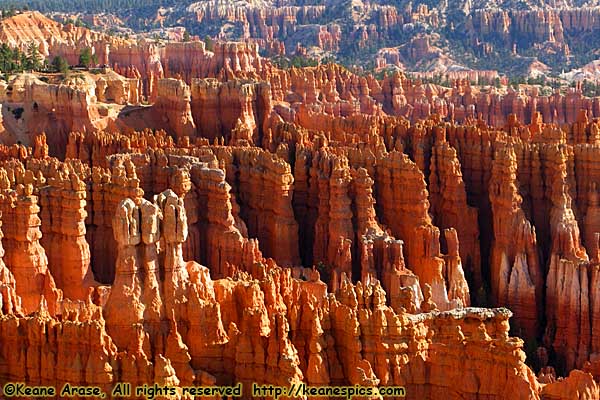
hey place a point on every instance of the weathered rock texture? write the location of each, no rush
(173, 108)
(215, 327)
(24, 255)
(254, 224)
(516, 274)
(63, 214)
(218, 107)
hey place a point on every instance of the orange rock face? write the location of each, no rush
(173, 106)
(311, 225)
(220, 324)
(63, 203)
(217, 107)
(517, 278)
(216, 326)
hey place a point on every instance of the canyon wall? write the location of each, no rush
(256, 224)
(286, 315)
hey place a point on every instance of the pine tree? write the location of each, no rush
(209, 43)
(34, 59)
(60, 65)
(86, 58)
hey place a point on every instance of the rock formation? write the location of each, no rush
(63, 215)
(217, 107)
(173, 106)
(213, 219)
(25, 257)
(515, 271)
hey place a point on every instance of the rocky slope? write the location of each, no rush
(521, 38)
(188, 232)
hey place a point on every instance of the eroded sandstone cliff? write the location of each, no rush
(254, 224)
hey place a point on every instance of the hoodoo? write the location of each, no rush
(180, 214)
